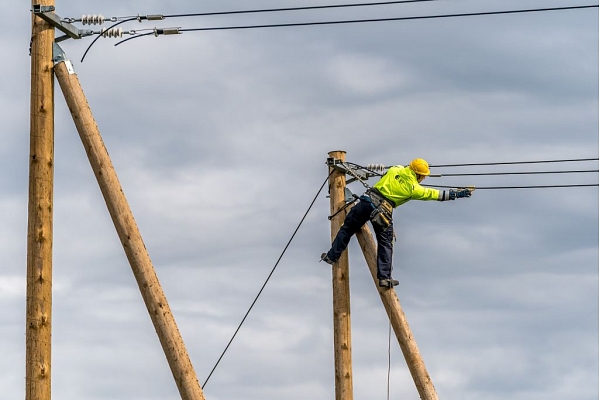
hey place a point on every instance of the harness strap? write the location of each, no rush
(378, 198)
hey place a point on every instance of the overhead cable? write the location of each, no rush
(378, 170)
(519, 187)
(520, 173)
(266, 10)
(381, 167)
(267, 280)
(140, 18)
(514, 162)
(368, 20)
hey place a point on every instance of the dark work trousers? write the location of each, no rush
(357, 217)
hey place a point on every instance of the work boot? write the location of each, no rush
(325, 258)
(388, 283)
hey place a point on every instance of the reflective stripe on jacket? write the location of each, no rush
(400, 185)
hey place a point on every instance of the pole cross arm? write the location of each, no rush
(356, 172)
(47, 14)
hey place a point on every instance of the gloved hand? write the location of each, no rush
(459, 193)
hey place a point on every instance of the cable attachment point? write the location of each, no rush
(93, 19)
(156, 17)
(166, 31)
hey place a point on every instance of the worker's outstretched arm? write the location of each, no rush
(453, 194)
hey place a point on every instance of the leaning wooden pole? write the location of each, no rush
(143, 270)
(398, 320)
(341, 290)
(40, 215)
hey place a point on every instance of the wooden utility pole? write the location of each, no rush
(398, 320)
(341, 289)
(129, 234)
(39, 226)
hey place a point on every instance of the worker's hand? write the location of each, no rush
(453, 194)
(462, 193)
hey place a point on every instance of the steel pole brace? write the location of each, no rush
(71, 32)
(58, 56)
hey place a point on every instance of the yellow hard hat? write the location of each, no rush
(420, 166)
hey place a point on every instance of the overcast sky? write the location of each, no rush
(220, 139)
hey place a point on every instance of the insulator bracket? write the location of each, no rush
(359, 174)
(47, 14)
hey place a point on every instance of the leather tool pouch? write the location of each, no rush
(382, 215)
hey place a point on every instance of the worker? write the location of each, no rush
(399, 185)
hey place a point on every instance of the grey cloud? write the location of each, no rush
(220, 139)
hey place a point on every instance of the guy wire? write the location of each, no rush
(267, 280)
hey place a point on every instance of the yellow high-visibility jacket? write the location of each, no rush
(400, 185)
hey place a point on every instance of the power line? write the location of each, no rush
(518, 187)
(521, 173)
(267, 280)
(140, 18)
(380, 3)
(179, 30)
(513, 162)
(377, 169)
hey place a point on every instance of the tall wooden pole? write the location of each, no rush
(341, 290)
(131, 239)
(398, 320)
(39, 225)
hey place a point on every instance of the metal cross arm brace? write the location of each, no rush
(357, 173)
(47, 14)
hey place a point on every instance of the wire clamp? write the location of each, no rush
(166, 31)
(157, 17)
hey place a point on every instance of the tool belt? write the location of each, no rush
(382, 214)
